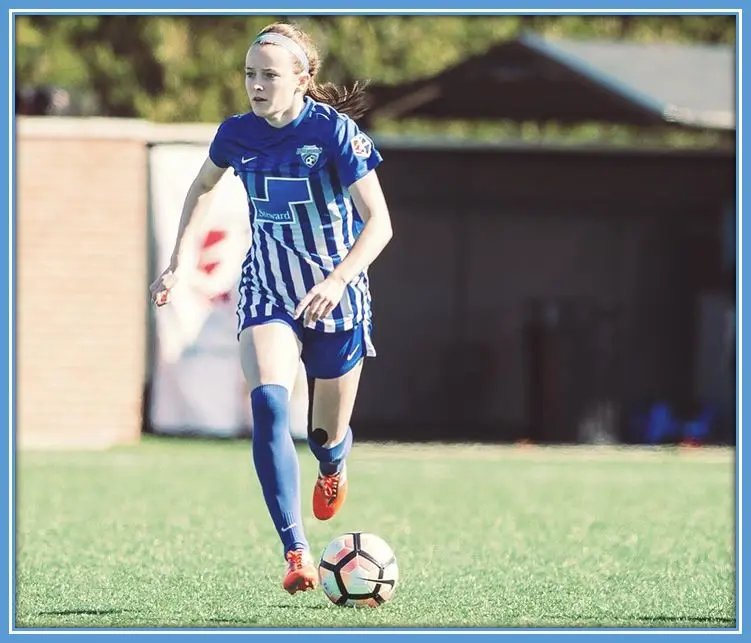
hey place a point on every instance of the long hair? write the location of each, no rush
(352, 101)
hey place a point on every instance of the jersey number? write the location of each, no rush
(281, 195)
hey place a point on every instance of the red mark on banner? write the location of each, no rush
(207, 262)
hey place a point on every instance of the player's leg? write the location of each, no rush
(270, 355)
(336, 362)
(299, 417)
(331, 439)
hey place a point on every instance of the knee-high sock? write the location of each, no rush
(276, 463)
(331, 458)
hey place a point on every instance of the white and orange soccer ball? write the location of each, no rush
(358, 570)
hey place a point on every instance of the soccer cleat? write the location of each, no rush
(329, 494)
(301, 573)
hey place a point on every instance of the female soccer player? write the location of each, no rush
(318, 220)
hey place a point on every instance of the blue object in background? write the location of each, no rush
(661, 425)
(699, 429)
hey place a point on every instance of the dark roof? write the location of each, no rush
(532, 79)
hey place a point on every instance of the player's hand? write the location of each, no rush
(162, 287)
(321, 299)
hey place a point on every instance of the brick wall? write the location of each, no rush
(81, 282)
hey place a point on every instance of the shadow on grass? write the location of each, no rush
(659, 619)
(83, 612)
(728, 622)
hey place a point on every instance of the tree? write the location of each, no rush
(190, 68)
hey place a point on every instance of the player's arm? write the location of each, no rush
(193, 206)
(368, 198)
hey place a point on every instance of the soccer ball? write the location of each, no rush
(358, 570)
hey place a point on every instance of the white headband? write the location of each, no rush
(290, 45)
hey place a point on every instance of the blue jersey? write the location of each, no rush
(303, 220)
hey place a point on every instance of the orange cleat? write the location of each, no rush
(301, 573)
(329, 494)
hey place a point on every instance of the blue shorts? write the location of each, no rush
(325, 355)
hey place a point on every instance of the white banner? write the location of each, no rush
(197, 384)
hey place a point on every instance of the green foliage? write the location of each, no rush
(507, 132)
(189, 68)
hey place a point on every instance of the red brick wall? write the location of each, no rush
(81, 283)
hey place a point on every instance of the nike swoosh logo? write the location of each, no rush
(288, 527)
(353, 353)
(380, 581)
(248, 160)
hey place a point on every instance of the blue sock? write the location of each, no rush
(276, 463)
(332, 458)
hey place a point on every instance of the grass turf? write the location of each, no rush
(174, 533)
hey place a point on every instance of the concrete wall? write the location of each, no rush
(81, 278)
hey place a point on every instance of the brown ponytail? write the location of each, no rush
(352, 101)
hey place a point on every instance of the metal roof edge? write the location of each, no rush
(610, 82)
(419, 143)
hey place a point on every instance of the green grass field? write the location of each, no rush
(174, 533)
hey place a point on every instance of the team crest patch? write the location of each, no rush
(361, 146)
(309, 154)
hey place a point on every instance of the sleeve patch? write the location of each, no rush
(361, 146)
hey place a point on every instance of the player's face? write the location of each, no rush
(271, 79)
